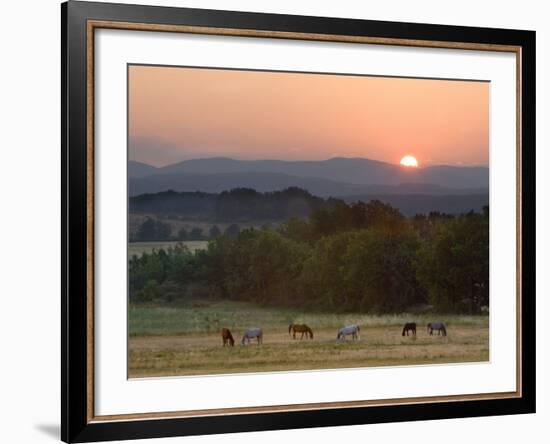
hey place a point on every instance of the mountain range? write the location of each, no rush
(449, 189)
(333, 177)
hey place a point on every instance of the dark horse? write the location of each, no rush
(409, 326)
(227, 337)
(439, 326)
(300, 328)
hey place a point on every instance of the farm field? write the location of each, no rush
(185, 340)
(138, 248)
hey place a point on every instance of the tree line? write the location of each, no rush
(236, 205)
(364, 257)
(152, 229)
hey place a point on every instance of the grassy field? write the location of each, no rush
(138, 248)
(185, 340)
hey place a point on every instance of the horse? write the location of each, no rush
(352, 330)
(300, 328)
(252, 333)
(409, 326)
(227, 338)
(439, 326)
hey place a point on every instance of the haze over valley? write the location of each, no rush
(450, 189)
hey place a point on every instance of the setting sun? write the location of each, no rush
(409, 161)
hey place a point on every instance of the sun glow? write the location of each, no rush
(409, 161)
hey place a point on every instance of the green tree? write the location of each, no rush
(149, 293)
(379, 270)
(196, 233)
(233, 230)
(182, 234)
(455, 266)
(214, 231)
(321, 279)
(153, 230)
(299, 230)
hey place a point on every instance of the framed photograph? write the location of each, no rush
(275, 221)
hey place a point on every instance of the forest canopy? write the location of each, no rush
(364, 257)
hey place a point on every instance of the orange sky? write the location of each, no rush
(181, 113)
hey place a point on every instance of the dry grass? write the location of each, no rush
(194, 354)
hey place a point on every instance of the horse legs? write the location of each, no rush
(293, 334)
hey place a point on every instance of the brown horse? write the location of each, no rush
(227, 338)
(409, 326)
(300, 328)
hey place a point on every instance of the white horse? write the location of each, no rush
(252, 333)
(352, 330)
(439, 326)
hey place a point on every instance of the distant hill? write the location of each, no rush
(263, 182)
(216, 183)
(244, 204)
(336, 177)
(237, 205)
(358, 171)
(138, 169)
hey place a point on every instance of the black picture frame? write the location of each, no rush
(76, 424)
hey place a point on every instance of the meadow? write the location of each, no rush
(184, 339)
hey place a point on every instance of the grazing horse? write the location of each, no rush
(352, 330)
(252, 333)
(439, 326)
(300, 328)
(227, 338)
(409, 326)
